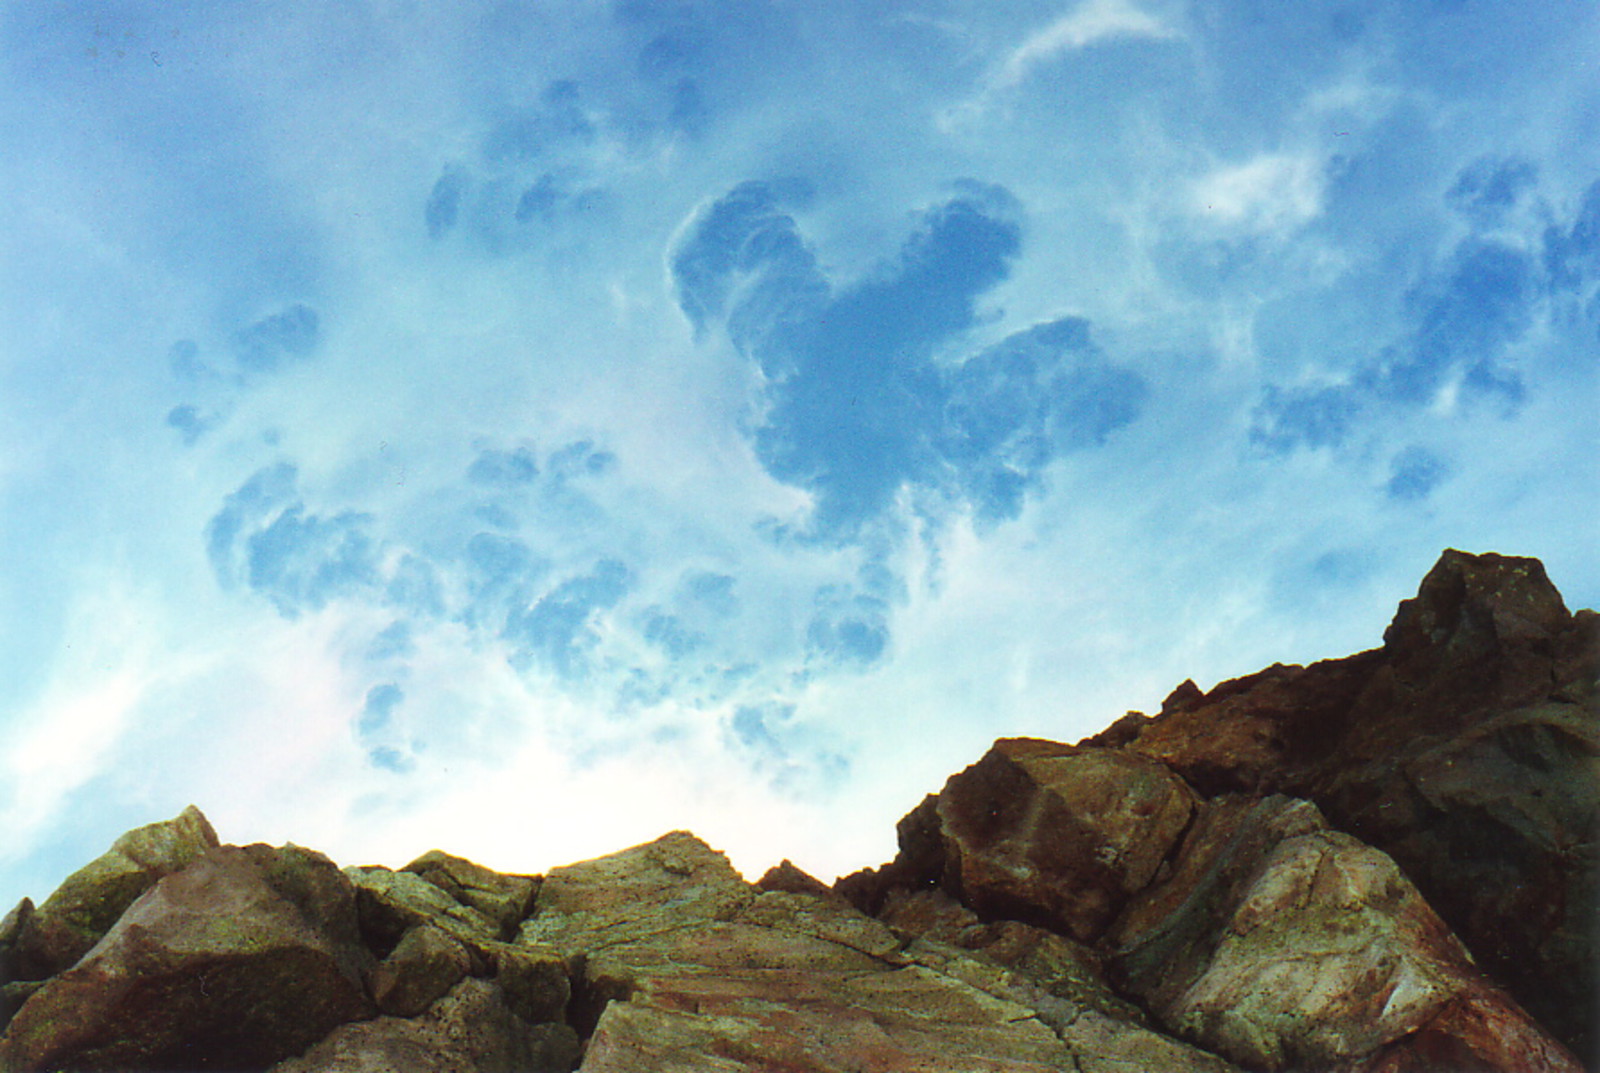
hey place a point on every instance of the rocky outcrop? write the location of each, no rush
(46, 940)
(245, 956)
(1467, 747)
(1382, 864)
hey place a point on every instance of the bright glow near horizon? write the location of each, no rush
(526, 428)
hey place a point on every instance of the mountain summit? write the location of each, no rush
(1385, 863)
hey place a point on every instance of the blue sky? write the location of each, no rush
(527, 428)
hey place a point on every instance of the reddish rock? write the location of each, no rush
(1056, 835)
(244, 957)
(1255, 734)
(786, 876)
(1467, 748)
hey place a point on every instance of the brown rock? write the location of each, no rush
(502, 899)
(90, 900)
(908, 1019)
(730, 980)
(243, 957)
(1467, 748)
(1282, 944)
(786, 876)
(1055, 964)
(421, 969)
(1056, 835)
(470, 1030)
(1256, 734)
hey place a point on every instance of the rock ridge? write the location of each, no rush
(1385, 863)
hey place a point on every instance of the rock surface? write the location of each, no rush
(1467, 747)
(85, 906)
(244, 957)
(1381, 864)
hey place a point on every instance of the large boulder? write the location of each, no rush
(1283, 944)
(1042, 832)
(244, 957)
(425, 965)
(59, 932)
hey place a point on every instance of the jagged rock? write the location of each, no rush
(787, 876)
(243, 957)
(391, 905)
(470, 1030)
(1057, 965)
(684, 966)
(674, 882)
(1056, 835)
(421, 969)
(1467, 748)
(88, 902)
(1256, 734)
(1165, 895)
(1282, 944)
(502, 899)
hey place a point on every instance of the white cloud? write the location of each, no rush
(1270, 194)
(1091, 22)
(69, 733)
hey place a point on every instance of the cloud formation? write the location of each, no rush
(1092, 21)
(506, 405)
(861, 397)
(1464, 319)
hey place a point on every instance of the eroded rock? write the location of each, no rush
(425, 965)
(502, 899)
(1467, 748)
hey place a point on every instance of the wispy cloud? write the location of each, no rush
(1089, 23)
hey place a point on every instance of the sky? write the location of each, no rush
(527, 428)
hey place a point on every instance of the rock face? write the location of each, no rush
(1381, 864)
(1467, 747)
